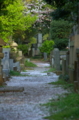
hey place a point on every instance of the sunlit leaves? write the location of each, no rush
(15, 19)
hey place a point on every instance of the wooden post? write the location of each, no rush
(2, 43)
(75, 77)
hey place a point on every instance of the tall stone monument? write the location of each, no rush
(56, 54)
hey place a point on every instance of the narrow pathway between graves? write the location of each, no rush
(26, 105)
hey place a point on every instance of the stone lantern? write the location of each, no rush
(2, 43)
(14, 45)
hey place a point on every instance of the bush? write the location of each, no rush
(47, 46)
(61, 43)
(23, 48)
(59, 32)
(64, 77)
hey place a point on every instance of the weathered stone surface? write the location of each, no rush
(17, 66)
(45, 56)
(39, 37)
(1, 55)
(11, 64)
(11, 89)
(56, 54)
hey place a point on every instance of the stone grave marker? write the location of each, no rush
(67, 62)
(6, 62)
(11, 64)
(39, 38)
(45, 56)
(16, 66)
(56, 54)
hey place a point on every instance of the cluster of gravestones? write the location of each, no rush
(7, 64)
(57, 59)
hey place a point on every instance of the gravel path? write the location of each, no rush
(26, 105)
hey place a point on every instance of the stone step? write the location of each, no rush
(11, 89)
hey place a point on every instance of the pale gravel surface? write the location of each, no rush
(26, 105)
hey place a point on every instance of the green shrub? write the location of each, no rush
(64, 108)
(23, 48)
(64, 77)
(61, 43)
(59, 32)
(47, 46)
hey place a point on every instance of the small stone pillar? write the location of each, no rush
(67, 62)
(63, 67)
(56, 54)
(45, 56)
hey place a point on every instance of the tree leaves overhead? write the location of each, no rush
(66, 9)
(14, 19)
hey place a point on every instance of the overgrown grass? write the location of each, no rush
(64, 108)
(63, 84)
(14, 73)
(30, 64)
(51, 70)
(1, 86)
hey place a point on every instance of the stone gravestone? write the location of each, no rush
(39, 42)
(6, 62)
(16, 66)
(45, 56)
(67, 62)
(51, 59)
(11, 64)
(63, 66)
(56, 54)
(39, 38)
(2, 43)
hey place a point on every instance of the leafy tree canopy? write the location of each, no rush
(66, 9)
(47, 46)
(14, 19)
(59, 32)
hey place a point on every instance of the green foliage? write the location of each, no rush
(64, 77)
(51, 70)
(60, 29)
(15, 19)
(7, 46)
(61, 43)
(46, 36)
(47, 46)
(29, 64)
(14, 73)
(59, 32)
(64, 108)
(23, 48)
(59, 14)
(66, 9)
